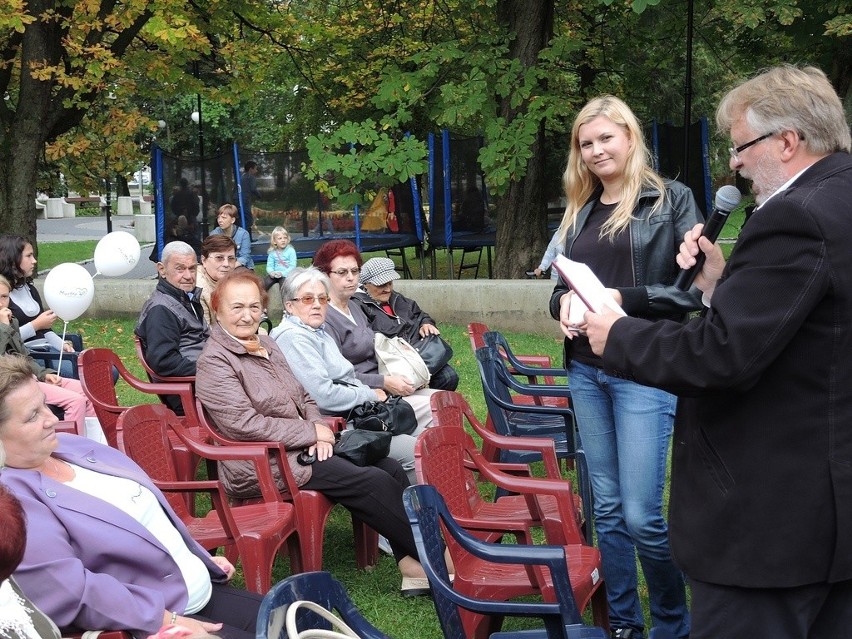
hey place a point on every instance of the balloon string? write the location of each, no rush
(62, 348)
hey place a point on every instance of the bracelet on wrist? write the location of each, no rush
(173, 620)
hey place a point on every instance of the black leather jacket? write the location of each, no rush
(654, 243)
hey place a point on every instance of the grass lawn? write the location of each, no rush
(376, 593)
(52, 253)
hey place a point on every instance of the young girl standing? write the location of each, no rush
(282, 258)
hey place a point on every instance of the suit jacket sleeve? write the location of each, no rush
(777, 274)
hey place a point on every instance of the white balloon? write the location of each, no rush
(69, 290)
(116, 253)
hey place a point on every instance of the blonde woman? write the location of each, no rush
(626, 223)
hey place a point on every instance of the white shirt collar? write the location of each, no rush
(783, 187)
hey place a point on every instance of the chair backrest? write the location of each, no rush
(431, 520)
(439, 460)
(319, 587)
(176, 403)
(488, 361)
(516, 363)
(96, 365)
(143, 435)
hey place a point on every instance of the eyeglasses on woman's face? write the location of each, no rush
(310, 300)
(342, 272)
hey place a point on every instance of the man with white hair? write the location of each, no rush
(171, 324)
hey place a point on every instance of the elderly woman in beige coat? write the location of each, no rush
(251, 394)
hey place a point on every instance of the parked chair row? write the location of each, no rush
(311, 509)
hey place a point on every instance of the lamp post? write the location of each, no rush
(196, 117)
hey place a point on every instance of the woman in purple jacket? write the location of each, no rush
(104, 549)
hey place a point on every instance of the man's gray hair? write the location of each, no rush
(298, 277)
(176, 248)
(790, 98)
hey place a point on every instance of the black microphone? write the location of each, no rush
(726, 201)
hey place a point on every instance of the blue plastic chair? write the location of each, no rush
(496, 339)
(523, 420)
(427, 511)
(319, 587)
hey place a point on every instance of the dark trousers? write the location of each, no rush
(817, 611)
(235, 609)
(445, 379)
(373, 494)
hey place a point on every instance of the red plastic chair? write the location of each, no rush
(64, 426)
(96, 366)
(257, 531)
(479, 578)
(435, 461)
(312, 507)
(435, 528)
(155, 377)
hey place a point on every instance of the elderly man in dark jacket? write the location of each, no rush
(171, 324)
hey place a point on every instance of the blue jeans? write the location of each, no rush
(625, 429)
(67, 369)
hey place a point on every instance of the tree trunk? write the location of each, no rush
(26, 129)
(522, 211)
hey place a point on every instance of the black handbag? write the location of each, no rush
(392, 415)
(435, 351)
(363, 447)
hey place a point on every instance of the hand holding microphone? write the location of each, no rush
(727, 199)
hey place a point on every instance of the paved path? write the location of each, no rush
(75, 229)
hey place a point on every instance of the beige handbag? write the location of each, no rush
(340, 629)
(398, 357)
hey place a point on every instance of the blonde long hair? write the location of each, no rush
(580, 183)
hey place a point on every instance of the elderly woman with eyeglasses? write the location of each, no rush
(218, 258)
(252, 394)
(316, 361)
(348, 326)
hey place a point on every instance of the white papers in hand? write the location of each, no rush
(586, 286)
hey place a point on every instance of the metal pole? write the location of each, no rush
(108, 201)
(203, 177)
(687, 102)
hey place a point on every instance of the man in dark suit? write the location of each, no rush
(761, 498)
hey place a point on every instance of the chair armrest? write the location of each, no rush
(256, 452)
(521, 530)
(336, 424)
(544, 446)
(533, 488)
(513, 469)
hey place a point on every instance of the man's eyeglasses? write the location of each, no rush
(736, 150)
(343, 271)
(308, 300)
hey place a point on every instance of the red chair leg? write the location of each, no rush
(366, 545)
